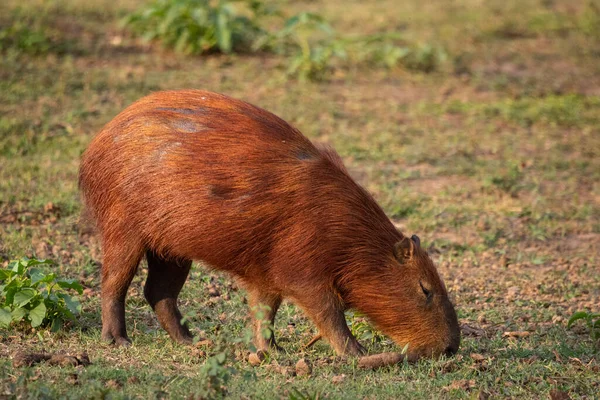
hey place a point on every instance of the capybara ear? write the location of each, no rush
(416, 239)
(404, 249)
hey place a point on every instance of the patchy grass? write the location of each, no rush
(493, 160)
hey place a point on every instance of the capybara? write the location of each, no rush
(194, 175)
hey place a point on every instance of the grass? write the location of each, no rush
(493, 160)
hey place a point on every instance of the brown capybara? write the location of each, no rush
(193, 175)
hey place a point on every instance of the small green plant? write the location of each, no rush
(511, 181)
(23, 37)
(391, 50)
(589, 22)
(217, 374)
(217, 371)
(29, 296)
(33, 34)
(361, 329)
(199, 26)
(491, 237)
(312, 43)
(317, 49)
(312, 46)
(592, 320)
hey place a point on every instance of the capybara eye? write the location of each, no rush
(428, 294)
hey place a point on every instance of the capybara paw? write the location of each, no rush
(361, 349)
(116, 340)
(354, 349)
(184, 339)
(122, 341)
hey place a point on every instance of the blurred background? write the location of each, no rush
(475, 124)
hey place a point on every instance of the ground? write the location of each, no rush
(493, 160)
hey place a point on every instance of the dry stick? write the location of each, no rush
(380, 360)
(373, 361)
(314, 340)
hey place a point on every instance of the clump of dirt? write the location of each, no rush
(23, 359)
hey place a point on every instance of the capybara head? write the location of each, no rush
(412, 304)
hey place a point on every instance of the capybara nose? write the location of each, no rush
(451, 350)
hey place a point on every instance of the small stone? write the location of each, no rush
(198, 353)
(204, 342)
(338, 379)
(556, 394)
(257, 358)
(516, 334)
(49, 207)
(461, 384)
(213, 292)
(303, 368)
(113, 384)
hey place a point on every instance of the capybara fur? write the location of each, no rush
(194, 175)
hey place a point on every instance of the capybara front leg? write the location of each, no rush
(264, 306)
(327, 312)
(164, 282)
(118, 269)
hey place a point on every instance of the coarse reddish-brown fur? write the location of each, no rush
(193, 175)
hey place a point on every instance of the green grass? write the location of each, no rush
(493, 160)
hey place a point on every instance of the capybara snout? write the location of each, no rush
(194, 175)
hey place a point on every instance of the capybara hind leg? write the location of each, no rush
(327, 313)
(164, 282)
(118, 269)
(264, 306)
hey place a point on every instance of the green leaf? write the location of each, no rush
(5, 274)
(18, 267)
(37, 315)
(24, 296)
(57, 323)
(18, 314)
(223, 33)
(37, 275)
(72, 303)
(32, 262)
(5, 317)
(221, 358)
(70, 284)
(9, 292)
(577, 316)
